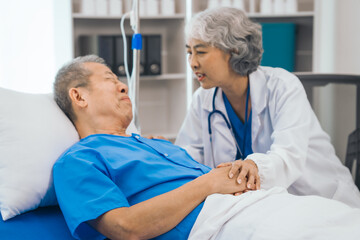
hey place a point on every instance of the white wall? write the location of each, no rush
(337, 50)
(348, 36)
(35, 40)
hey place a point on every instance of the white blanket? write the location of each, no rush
(275, 214)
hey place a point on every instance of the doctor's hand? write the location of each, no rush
(156, 137)
(248, 172)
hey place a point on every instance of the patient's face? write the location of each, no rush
(108, 97)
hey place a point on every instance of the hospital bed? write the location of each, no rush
(48, 222)
(42, 223)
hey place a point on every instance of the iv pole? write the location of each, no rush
(135, 75)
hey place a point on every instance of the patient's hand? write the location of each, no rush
(156, 137)
(220, 181)
(248, 173)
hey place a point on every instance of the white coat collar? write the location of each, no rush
(258, 91)
(259, 96)
(218, 122)
(221, 134)
(206, 102)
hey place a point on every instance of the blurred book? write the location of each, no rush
(279, 45)
(153, 55)
(102, 46)
(111, 49)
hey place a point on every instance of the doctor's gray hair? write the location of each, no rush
(72, 74)
(230, 30)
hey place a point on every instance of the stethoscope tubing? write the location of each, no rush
(215, 111)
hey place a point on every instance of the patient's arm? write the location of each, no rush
(160, 214)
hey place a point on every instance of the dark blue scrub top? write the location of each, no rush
(238, 128)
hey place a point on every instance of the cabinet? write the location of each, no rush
(163, 99)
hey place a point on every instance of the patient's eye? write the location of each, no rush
(112, 77)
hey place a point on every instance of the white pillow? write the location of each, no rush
(33, 134)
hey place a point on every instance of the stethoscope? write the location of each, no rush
(215, 111)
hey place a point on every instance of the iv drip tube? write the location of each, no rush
(134, 79)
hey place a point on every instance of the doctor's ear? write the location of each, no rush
(77, 97)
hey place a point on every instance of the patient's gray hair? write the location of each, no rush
(72, 74)
(230, 30)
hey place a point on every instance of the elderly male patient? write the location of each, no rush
(126, 187)
(129, 187)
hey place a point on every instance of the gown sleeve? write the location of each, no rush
(85, 191)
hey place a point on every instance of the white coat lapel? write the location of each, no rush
(223, 142)
(258, 95)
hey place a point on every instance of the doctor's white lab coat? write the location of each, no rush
(290, 148)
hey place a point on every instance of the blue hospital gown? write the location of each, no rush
(102, 172)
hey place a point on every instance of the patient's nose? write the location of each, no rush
(123, 88)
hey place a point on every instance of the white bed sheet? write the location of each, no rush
(275, 214)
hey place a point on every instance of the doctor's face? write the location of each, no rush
(210, 64)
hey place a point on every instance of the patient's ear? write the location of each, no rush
(77, 97)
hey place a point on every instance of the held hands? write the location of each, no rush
(245, 172)
(219, 181)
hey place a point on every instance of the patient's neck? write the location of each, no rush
(86, 129)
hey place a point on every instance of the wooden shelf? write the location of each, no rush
(158, 17)
(168, 76)
(162, 77)
(292, 15)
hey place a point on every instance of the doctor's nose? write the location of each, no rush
(194, 64)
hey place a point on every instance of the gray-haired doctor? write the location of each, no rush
(257, 119)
